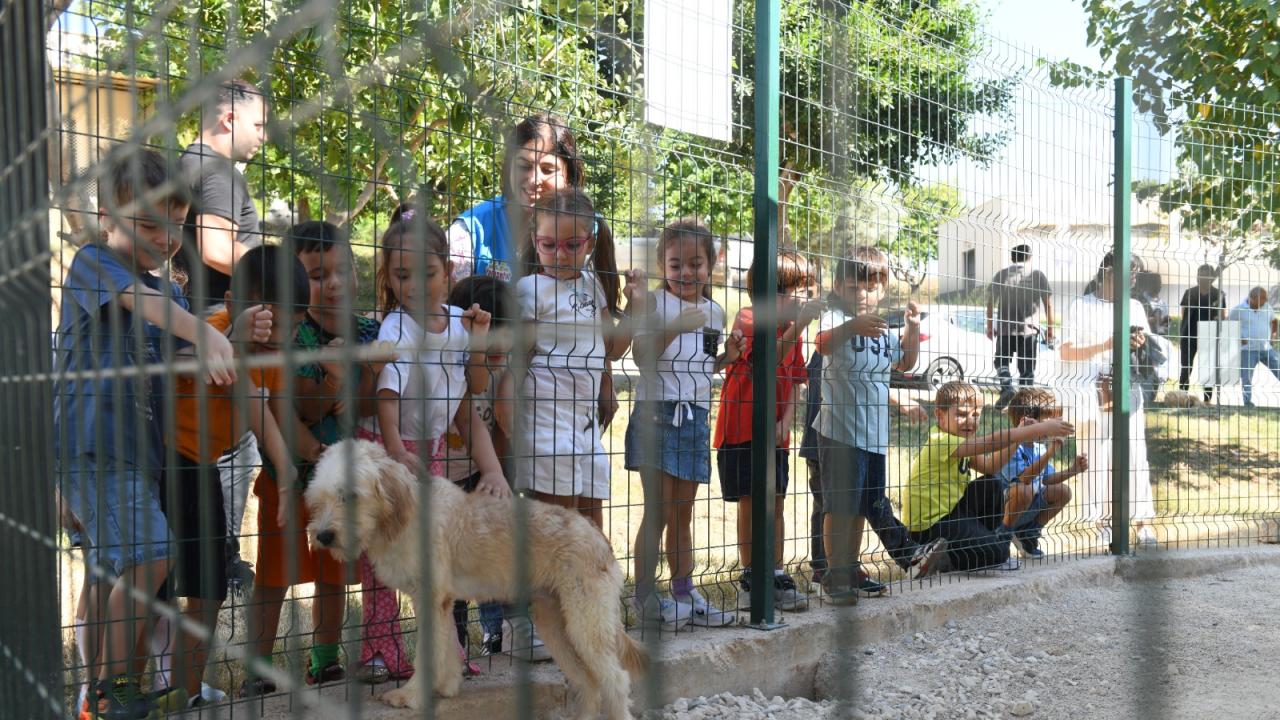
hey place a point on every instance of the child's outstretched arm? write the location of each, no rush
(262, 421)
(169, 316)
(389, 426)
(811, 310)
(658, 339)
(991, 452)
(732, 350)
(477, 323)
(1032, 471)
(1079, 465)
(476, 436)
(619, 333)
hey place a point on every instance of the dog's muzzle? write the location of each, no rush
(325, 538)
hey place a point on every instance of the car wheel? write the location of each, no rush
(942, 371)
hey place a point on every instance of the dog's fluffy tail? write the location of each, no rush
(632, 654)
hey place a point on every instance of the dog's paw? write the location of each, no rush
(404, 697)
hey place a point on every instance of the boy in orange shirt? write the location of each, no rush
(211, 422)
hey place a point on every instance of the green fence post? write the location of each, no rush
(764, 300)
(1121, 404)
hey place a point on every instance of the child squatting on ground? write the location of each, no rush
(943, 500)
(1033, 492)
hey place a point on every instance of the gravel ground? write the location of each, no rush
(1188, 648)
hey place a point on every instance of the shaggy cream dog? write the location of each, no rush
(575, 581)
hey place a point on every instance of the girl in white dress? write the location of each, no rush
(572, 337)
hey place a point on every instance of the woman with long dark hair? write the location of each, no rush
(1087, 359)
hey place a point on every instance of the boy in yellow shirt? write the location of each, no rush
(943, 500)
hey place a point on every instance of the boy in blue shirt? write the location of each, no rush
(852, 422)
(1033, 492)
(118, 311)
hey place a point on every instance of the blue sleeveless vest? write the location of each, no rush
(491, 246)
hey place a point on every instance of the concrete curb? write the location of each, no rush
(801, 658)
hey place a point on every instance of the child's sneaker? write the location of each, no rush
(922, 552)
(870, 587)
(491, 644)
(785, 594)
(656, 610)
(333, 672)
(170, 700)
(1029, 544)
(936, 560)
(838, 590)
(121, 698)
(525, 643)
(1147, 536)
(255, 686)
(1007, 566)
(703, 613)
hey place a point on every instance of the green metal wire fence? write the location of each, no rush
(800, 134)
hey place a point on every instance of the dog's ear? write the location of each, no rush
(395, 501)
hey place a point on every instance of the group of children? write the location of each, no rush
(437, 381)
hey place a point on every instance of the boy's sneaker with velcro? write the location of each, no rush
(703, 613)
(491, 644)
(935, 560)
(121, 698)
(869, 586)
(785, 594)
(657, 611)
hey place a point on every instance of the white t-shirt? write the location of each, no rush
(1090, 321)
(568, 329)
(682, 373)
(855, 387)
(429, 373)
(1255, 325)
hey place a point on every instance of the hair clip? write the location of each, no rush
(407, 214)
(595, 224)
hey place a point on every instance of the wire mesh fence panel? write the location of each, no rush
(395, 342)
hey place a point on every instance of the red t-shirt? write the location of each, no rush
(733, 421)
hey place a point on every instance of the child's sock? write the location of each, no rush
(682, 587)
(322, 656)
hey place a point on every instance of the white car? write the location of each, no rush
(954, 346)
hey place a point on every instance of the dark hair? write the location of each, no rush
(1148, 282)
(563, 145)
(604, 261)
(863, 264)
(409, 227)
(144, 176)
(1136, 265)
(1020, 253)
(316, 236)
(230, 93)
(691, 229)
(258, 274)
(793, 271)
(1207, 270)
(491, 294)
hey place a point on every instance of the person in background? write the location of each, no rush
(1202, 303)
(1015, 294)
(1257, 339)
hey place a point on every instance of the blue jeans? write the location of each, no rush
(1249, 359)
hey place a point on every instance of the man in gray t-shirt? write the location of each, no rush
(1015, 295)
(223, 221)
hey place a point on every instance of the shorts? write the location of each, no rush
(734, 464)
(284, 558)
(1027, 517)
(852, 479)
(683, 449)
(191, 495)
(120, 510)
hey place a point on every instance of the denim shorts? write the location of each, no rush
(682, 451)
(119, 508)
(852, 479)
